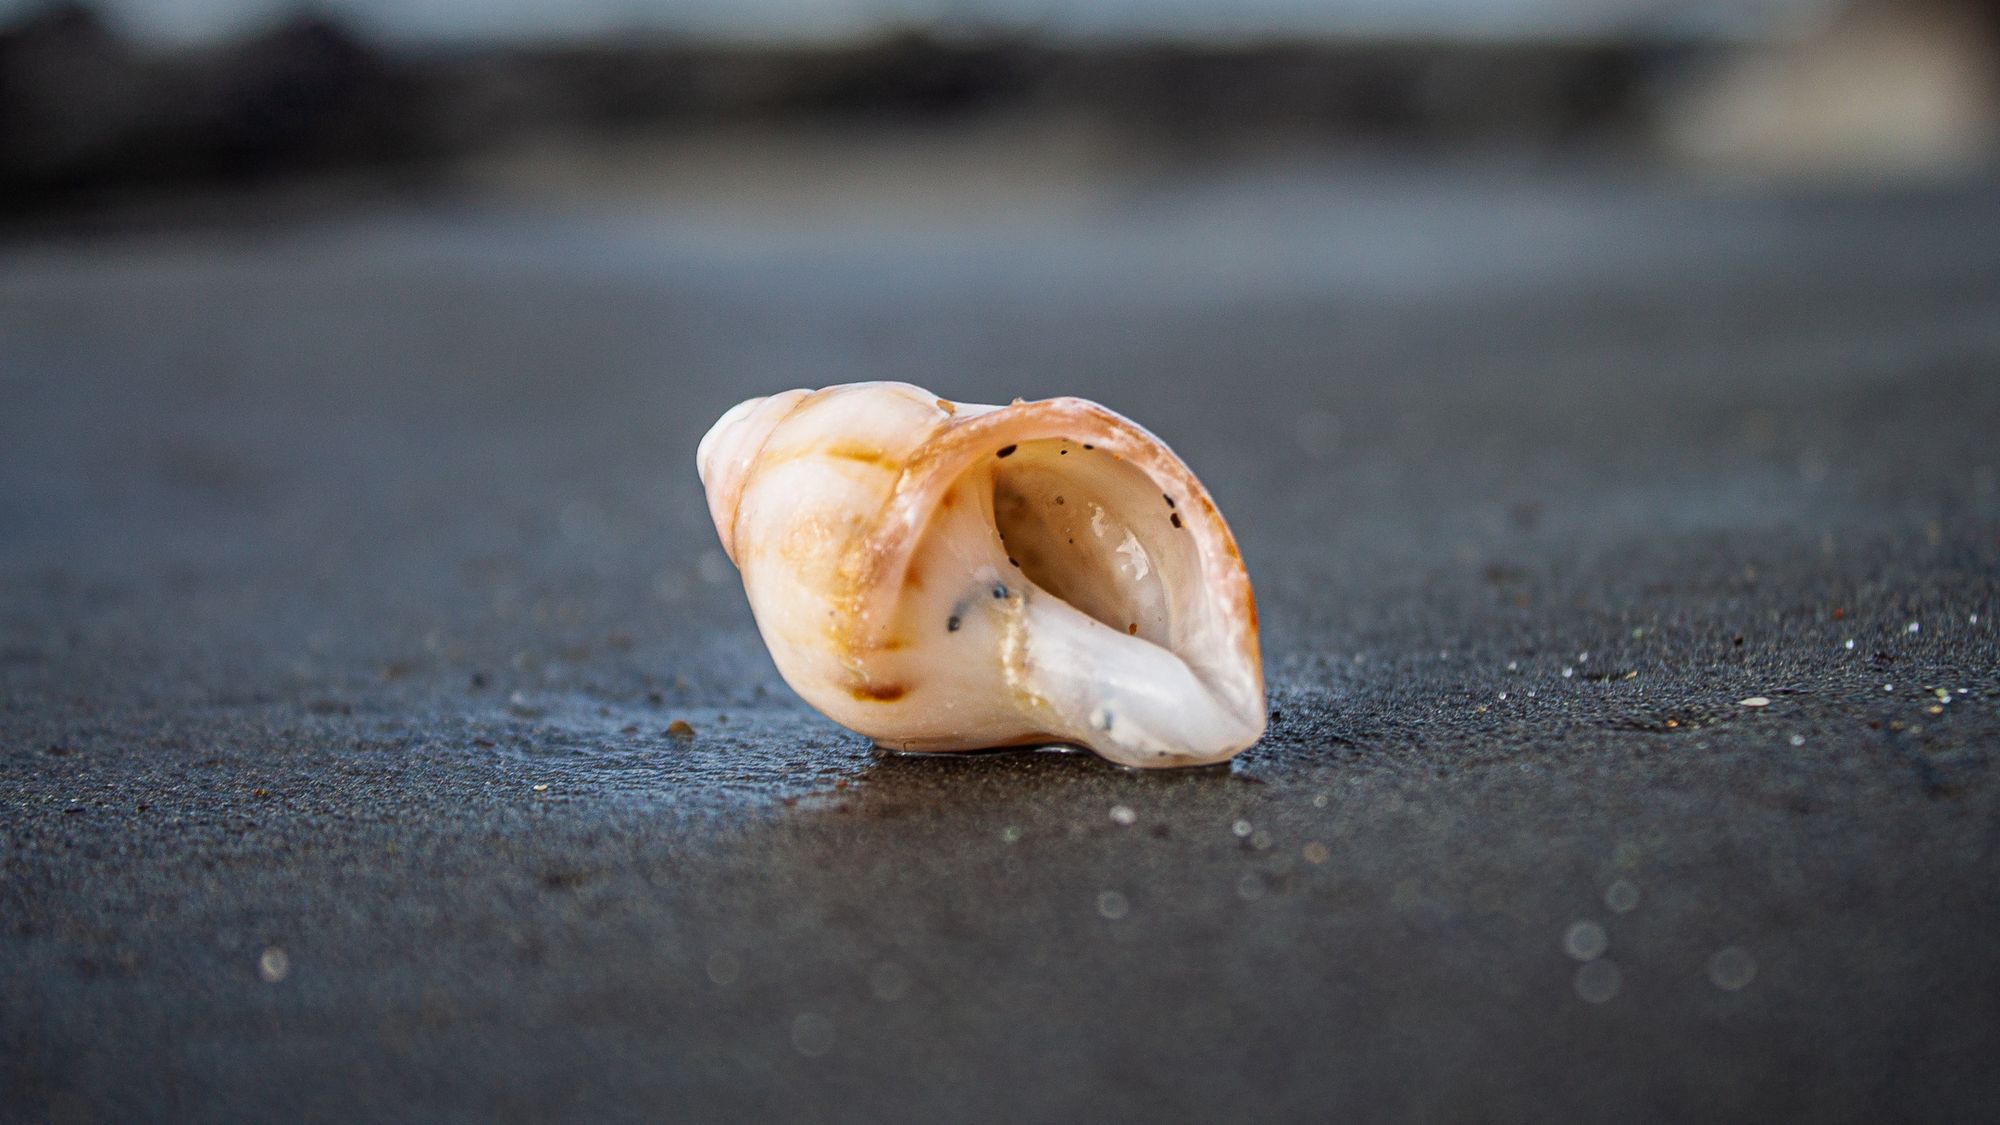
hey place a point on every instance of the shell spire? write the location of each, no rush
(950, 576)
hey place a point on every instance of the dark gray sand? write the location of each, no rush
(352, 572)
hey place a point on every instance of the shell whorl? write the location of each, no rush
(729, 449)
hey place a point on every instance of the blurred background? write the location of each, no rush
(112, 102)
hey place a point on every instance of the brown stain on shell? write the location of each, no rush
(855, 451)
(879, 693)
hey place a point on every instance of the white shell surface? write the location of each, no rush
(950, 576)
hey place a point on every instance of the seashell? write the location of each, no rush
(948, 576)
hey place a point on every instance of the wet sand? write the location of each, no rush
(352, 570)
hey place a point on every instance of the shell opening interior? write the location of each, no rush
(1090, 529)
(1070, 596)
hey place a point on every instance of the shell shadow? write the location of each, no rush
(1050, 778)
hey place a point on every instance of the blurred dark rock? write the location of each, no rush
(85, 116)
(71, 95)
(1417, 92)
(306, 93)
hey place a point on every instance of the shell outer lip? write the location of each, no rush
(885, 553)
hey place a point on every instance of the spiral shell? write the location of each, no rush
(949, 576)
